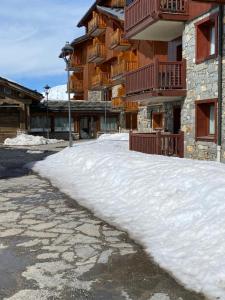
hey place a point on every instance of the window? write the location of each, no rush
(62, 124)
(111, 124)
(157, 120)
(39, 124)
(206, 112)
(206, 39)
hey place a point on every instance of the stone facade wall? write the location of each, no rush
(143, 120)
(95, 96)
(145, 116)
(202, 84)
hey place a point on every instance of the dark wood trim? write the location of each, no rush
(213, 17)
(210, 138)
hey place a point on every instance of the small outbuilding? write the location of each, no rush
(15, 102)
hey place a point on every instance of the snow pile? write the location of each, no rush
(29, 140)
(114, 137)
(174, 207)
(58, 93)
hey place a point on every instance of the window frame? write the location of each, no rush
(154, 113)
(211, 18)
(209, 137)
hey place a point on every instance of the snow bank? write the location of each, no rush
(174, 207)
(29, 140)
(114, 137)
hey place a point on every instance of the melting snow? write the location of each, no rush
(29, 140)
(174, 207)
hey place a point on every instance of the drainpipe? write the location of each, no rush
(220, 81)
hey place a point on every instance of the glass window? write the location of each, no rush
(212, 40)
(62, 124)
(212, 119)
(111, 124)
(206, 119)
(39, 124)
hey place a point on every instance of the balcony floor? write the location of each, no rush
(161, 30)
(158, 96)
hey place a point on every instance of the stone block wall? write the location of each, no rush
(145, 113)
(95, 96)
(202, 84)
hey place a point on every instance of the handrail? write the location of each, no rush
(156, 76)
(139, 10)
(167, 144)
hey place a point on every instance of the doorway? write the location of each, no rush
(176, 119)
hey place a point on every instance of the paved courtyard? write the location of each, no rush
(52, 248)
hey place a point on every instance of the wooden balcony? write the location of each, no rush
(159, 79)
(211, 1)
(96, 26)
(76, 64)
(100, 81)
(131, 106)
(97, 53)
(159, 20)
(118, 42)
(76, 86)
(118, 3)
(120, 69)
(118, 103)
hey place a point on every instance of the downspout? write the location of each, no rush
(220, 81)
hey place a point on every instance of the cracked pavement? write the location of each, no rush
(52, 248)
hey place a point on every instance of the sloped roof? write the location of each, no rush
(116, 13)
(76, 105)
(80, 40)
(89, 12)
(31, 93)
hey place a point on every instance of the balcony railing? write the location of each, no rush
(76, 64)
(101, 80)
(97, 53)
(131, 106)
(76, 86)
(123, 67)
(159, 143)
(157, 76)
(118, 42)
(140, 10)
(96, 26)
(118, 102)
(118, 3)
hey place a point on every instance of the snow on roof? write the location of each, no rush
(117, 13)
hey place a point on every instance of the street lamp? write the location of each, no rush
(46, 89)
(67, 52)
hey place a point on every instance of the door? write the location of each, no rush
(176, 119)
(9, 119)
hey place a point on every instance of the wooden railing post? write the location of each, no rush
(183, 74)
(158, 143)
(156, 73)
(181, 144)
(130, 140)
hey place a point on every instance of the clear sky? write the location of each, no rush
(32, 33)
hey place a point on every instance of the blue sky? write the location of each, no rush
(32, 32)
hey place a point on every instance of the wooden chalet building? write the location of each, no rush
(15, 103)
(183, 89)
(101, 59)
(88, 119)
